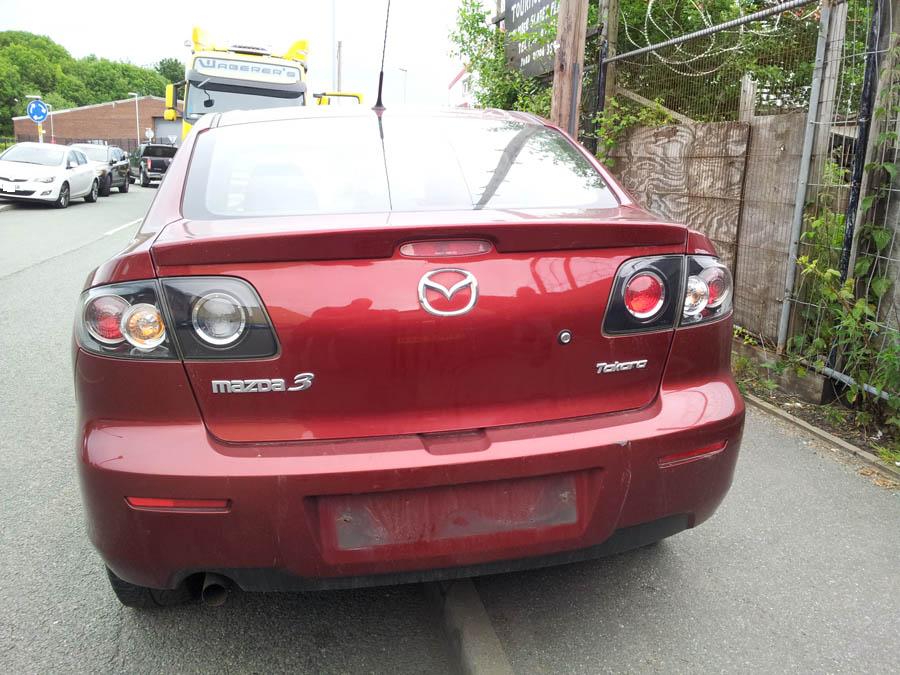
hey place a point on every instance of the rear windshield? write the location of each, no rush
(159, 151)
(343, 165)
(96, 153)
(33, 154)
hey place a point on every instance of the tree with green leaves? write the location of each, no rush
(34, 64)
(171, 69)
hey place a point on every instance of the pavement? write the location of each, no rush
(798, 571)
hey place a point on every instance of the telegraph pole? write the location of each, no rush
(568, 68)
(609, 15)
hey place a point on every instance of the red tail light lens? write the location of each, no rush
(718, 281)
(167, 503)
(645, 294)
(444, 249)
(102, 317)
(679, 458)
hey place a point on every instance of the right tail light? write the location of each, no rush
(709, 290)
(656, 293)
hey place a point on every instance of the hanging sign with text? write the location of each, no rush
(533, 20)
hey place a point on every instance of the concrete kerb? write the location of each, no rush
(468, 627)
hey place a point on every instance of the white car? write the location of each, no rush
(46, 172)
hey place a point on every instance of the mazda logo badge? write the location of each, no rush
(468, 281)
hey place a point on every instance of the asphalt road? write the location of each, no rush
(798, 571)
(57, 613)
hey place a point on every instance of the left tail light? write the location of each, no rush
(194, 317)
(124, 320)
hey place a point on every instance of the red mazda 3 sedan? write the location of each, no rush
(352, 348)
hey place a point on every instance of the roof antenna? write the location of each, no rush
(379, 106)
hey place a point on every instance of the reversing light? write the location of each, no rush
(645, 294)
(219, 319)
(142, 326)
(709, 290)
(696, 296)
(102, 316)
(444, 249)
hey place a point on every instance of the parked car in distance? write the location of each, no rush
(336, 356)
(110, 165)
(46, 172)
(150, 162)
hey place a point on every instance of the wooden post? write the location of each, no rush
(748, 98)
(568, 67)
(611, 35)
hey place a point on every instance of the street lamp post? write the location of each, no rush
(137, 118)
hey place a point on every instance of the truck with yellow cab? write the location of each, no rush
(237, 77)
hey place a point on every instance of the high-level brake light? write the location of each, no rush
(445, 249)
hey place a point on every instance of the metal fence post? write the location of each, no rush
(803, 176)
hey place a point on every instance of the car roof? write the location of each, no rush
(234, 117)
(44, 145)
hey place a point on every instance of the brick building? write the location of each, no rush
(113, 122)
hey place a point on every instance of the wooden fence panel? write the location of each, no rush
(770, 186)
(689, 173)
(733, 181)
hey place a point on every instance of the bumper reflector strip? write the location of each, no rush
(167, 503)
(677, 459)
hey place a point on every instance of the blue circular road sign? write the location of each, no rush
(37, 110)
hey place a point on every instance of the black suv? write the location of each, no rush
(110, 165)
(150, 162)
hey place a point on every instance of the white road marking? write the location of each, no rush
(121, 227)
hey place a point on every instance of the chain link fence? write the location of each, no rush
(803, 195)
(766, 63)
(848, 293)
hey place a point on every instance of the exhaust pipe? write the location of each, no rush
(215, 590)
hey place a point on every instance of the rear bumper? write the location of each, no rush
(331, 514)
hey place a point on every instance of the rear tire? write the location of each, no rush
(62, 201)
(145, 179)
(91, 196)
(106, 188)
(141, 597)
(123, 188)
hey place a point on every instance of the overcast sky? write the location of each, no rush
(143, 33)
